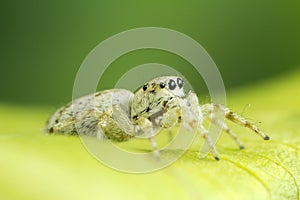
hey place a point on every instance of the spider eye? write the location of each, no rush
(162, 85)
(145, 87)
(172, 84)
(180, 82)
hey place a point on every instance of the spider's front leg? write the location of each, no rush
(189, 112)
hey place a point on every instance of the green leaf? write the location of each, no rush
(36, 166)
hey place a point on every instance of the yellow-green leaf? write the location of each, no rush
(36, 166)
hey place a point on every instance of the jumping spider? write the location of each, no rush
(119, 115)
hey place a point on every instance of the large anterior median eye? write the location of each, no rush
(172, 84)
(180, 82)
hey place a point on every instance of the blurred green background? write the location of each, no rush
(255, 44)
(44, 42)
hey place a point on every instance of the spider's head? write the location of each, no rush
(155, 94)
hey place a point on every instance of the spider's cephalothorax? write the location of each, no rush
(119, 114)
